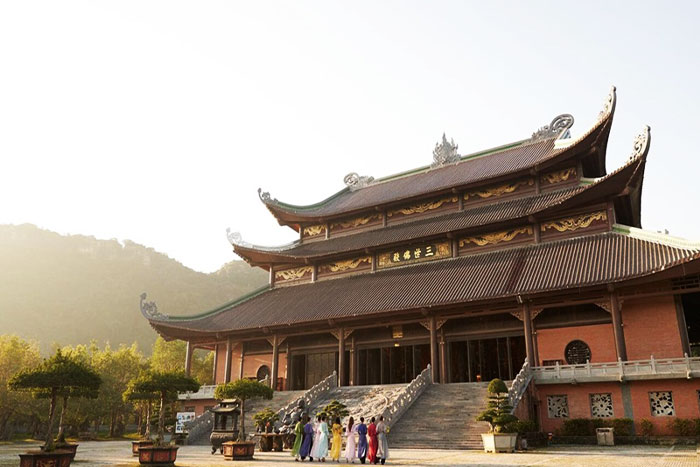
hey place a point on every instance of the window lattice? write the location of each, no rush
(558, 406)
(601, 405)
(577, 353)
(662, 403)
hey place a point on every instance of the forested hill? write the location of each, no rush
(71, 289)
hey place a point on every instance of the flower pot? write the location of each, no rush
(136, 445)
(73, 448)
(238, 450)
(499, 442)
(266, 442)
(278, 443)
(160, 456)
(57, 458)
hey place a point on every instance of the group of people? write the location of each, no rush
(363, 442)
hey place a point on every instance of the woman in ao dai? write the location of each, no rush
(350, 444)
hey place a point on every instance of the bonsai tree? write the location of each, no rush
(69, 393)
(163, 384)
(497, 412)
(58, 376)
(262, 418)
(146, 399)
(335, 409)
(243, 390)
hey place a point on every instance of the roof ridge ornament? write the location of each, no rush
(150, 309)
(609, 104)
(445, 152)
(558, 127)
(235, 238)
(641, 143)
(265, 196)
(355, 181)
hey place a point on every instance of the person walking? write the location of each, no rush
(350, 445)
(317, 439)
(383, 443)
(337, 431)
(372, 433)
(307, 443)
(298, 438)
(362, 440)
(320, 450)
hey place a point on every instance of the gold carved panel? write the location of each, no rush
(558, 176)
(414, 254)
(342, 266)
(293, 274)
(574, 223)
(356, 222)
(499, 190)
(314, 230)
(422, 207)
(495, 237)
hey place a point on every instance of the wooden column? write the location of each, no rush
(434, 365)
(216, 362)
(617, 327)
(443, 358)
(527, 324)
(240, 371)
(188, 358)
(290, 375)
(353, 363)
(275, 361)
(227, 362)
(341, 357)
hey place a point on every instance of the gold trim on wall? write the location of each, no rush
(358, 221)
(422, 207)
(558, 176)
(340, 266)
(500, 189)
(575, 223)
(313, 230)
(293, 274)
(495, 237)
(442, 250)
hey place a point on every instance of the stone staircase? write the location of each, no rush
(279, 399)
(443, 418)
(362, 401)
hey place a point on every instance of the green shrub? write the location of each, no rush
(578, 427)
(623, 426)
(697, 426)
(266, 415)
(682, 426)
(522, 426)
(646, 428)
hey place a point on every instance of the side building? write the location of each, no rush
(528, 252)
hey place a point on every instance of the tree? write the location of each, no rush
(146, 399)
(497, 412)
(243, 389)
(53, 377)
(15, 354)
(335, 409)
(164, 384)
(170, 356)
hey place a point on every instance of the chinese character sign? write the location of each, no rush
(412, 254)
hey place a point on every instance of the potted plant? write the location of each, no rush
(264, 421)
(498, 415)
(58, 376)
(242, 390)
(145, 399)
(164, 384)
(335, 409)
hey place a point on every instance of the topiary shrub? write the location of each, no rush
(682, 426)
(498, 410)
(243, 390)
(646, 428)
(263, 417)
(335, 409)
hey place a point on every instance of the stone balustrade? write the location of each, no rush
(408, 395)
(519, 385)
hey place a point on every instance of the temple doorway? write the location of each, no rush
(484, 359)
(397, 364)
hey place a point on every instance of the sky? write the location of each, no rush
(157, 121)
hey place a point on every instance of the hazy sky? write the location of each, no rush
(158, 121)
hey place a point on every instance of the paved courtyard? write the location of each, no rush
(117, 453)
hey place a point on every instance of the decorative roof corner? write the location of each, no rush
(641, 143)
(265, 196)
(355, 181)
(236, 239)
(445, 153)
(150, 310)
(559, 128)
(609, 104)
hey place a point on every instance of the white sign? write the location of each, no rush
(182, 418)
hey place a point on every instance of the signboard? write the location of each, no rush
(414, 254)
(182, 418)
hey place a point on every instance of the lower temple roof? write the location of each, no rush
(592, 260)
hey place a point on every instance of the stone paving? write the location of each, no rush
(117, 453)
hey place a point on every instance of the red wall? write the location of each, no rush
(685, 401)
(599, 337)
(650, 326)
(251, 363)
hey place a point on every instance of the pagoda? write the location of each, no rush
(527, 261)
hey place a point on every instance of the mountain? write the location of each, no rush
(71, 289)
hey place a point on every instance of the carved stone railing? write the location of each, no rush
(205, 392)
(631, 370)
(317, 391)
(407, 397)
(200, 427)
(519, 385)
